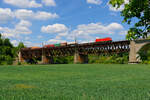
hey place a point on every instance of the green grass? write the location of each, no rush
(75, 82)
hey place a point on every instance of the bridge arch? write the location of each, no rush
(135, 47)
(144, 51)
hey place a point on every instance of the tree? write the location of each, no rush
(6, 51)
(20, 45)
(1, 41)
(7, 43)
(139, 9)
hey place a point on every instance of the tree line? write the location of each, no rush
(8, 52)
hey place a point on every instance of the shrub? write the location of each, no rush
(110, 59)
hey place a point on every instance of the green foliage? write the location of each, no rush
(19, 63)
(20, 45)
(75, 82)
(110, 59)
(139, 9)
(6, 51)
(63, 60)
(134, 34)
(116, 3)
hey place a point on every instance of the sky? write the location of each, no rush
(34, 22)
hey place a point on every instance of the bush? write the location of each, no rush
(110, 59)
(63, 60)
(19, 63)
(7, 51)
(9, 60)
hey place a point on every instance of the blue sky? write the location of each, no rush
(53, 21)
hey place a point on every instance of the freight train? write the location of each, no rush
(108, 39)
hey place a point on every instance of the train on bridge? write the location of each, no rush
(80, 51)
(107, 39)
(73, 43)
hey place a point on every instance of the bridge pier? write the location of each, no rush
(135, 46)
(80, 58)
(47, 60)
(133, 54)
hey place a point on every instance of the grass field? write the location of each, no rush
(75, 82)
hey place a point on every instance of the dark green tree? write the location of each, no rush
(7, 42)
(20, 45)
(6, 51)
(139, 9)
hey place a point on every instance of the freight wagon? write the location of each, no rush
(50, 45)
(34, 48)
(56, 45)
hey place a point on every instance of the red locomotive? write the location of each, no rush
(103, 39)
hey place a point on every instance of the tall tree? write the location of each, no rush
(6, 51)
(139, 9)
(20, 45)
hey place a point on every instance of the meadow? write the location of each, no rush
(75, 82)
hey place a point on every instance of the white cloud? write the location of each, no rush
(97, 28)
(15, 42)
(60, 30)
(23, 3)
(29, 14)
(97, 2)
(7, 32)
(123, 32)
(114, 27)
(49, 2)
(54, 29)
(83, 33)
(24, 23)
(53, 41)
(24, 14)
(21, 28)
(27, 38)
(39, 36)
(41, 15)
(28, 43)
(88, 31)
(6, 15)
